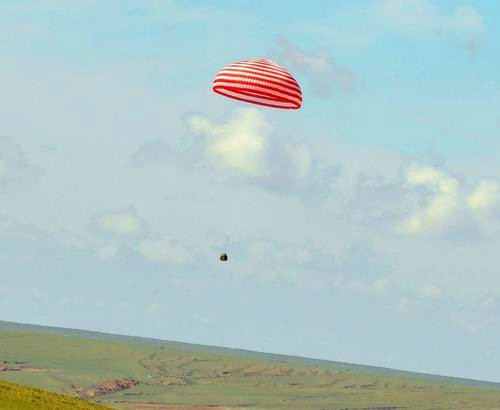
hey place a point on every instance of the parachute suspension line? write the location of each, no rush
(225, 249)
(230, 216)
(224, 219)
(229, 235)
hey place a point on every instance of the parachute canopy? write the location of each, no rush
(259, 81)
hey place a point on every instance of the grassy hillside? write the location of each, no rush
(125, 372)
(16, 397)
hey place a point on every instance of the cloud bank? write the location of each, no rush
(447, 204)
(121, 223)
(251, 149)
(464, 23)
(326, 77)
(164, 250)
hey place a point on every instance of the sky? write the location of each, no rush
(364, 227)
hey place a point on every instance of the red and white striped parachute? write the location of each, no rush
(259, 81)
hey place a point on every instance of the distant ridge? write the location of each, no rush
(191, 347)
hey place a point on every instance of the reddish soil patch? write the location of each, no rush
(106, 387)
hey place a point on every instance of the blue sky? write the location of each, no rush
(364, 228)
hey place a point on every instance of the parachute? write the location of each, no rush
(259, 81)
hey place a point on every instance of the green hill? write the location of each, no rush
(16, 397)
(135, 373)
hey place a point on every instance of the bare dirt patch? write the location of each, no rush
(111, 386)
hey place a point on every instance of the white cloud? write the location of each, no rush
(108, 252)
(240, 143)
(448, 205)
(123, 223)
(334, 35)
(423, 297)
(259, 250)
(14, 166)
(443, 205)
(355, 269)
(163, 251)
(151, 152)
(421, 16)
(488, 303)
(325, 74)
(244, 145)
(378, 286)
(485, 196)
(284, 261)
(406, 306)
(473, 323)
(430, 291)
(301, 158)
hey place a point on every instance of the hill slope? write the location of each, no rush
(16, 397)
(129, 372)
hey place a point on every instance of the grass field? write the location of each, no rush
(16, 397)
(131, 373)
